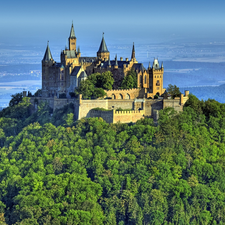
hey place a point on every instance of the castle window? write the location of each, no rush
(155, 76)
(150, 87)
(157, 88)
(145, 79)
(157, 83)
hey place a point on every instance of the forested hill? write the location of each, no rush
(57, 171)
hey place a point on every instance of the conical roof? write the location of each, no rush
(72, 33)
(133, 52)
(48, 55)
(116, 62)
(103, 47)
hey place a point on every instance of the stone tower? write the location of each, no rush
(47, 62)
(103, 53)
(72, 39)
(156, 78)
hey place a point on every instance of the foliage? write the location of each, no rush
(95, 84)
(16, 99)
(130, 80)
(120, 109)
(173, 90)
(61, 171)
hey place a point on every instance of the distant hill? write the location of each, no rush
(206, 92)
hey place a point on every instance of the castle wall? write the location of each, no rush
(120, 103)
(105, 115)
(123, 94)
(174, 103)
(127, 116)
(86, 105)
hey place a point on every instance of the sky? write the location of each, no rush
(121, 20)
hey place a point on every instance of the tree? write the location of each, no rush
(173, 90)
(86, 88)
(130, 80)
(16, 99)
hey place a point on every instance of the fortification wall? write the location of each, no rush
(86, 105)
(120, 103)
(123, 94)
(105, 115)
(127, 116)
(54, 103)
(174, 103)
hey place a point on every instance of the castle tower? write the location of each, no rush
(103, 53)
(156, 78)
(72, 39)
(133, 52)
(47, 62)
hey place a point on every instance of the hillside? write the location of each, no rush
(58, 171)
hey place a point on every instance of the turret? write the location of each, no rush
(72, 39)
(116, 63)
(48, 56)
(133, 52)
(103, 53)
(78, 51)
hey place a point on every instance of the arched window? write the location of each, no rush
(145, 79)
(127, 96)
(120, 96)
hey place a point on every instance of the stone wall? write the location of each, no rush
(85, 107)
(174, 103)
(120, 103)
(105, 115)
(127, 116)
(123, 94)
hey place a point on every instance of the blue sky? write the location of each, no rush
(118, 19)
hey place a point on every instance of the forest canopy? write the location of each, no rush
(55, 170)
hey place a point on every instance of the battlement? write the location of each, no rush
(130, 112)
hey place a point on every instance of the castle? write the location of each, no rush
(59, 79)
(64, 77)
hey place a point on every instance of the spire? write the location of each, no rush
(133, 52)
(149, 65)
(103, 47)
(48, 55)
(162, 65)
(78, 50)
(72, 33)
(116, 63)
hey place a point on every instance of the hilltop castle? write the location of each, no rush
(59, 79)
(64, 77)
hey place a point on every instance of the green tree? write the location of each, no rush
(16, 99)
(173, 90)
(130, 80)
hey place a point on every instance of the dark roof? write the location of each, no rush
(103, 47)
(72, 33)
(83, 74)
(113, 63)
(70, 54)
(87, 59)
(139, 67)
(48, 55)
(57, 65)
(75, 70)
